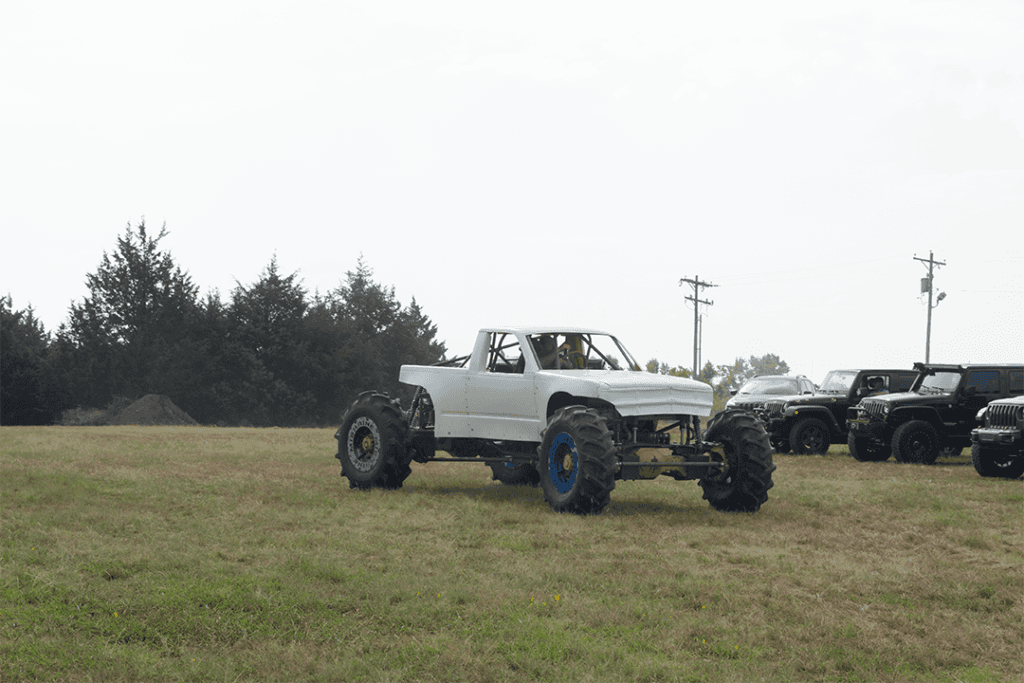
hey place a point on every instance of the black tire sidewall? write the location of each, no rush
(350, 432)
(985, 461)
(909, 433)
(379, 416)
(803, 426)
(744, 488)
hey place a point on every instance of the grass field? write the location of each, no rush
(205, 554)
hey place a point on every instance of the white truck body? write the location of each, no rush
(475, 401)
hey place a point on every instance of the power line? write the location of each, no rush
(695, 298)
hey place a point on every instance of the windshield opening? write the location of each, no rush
(775, 386)
(938, 382)
(579, 351)
(839, 382)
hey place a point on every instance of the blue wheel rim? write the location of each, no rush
(563, 479)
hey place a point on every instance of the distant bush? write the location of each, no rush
(82, 417)
(93, 417)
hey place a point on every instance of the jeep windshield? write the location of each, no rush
(776, 386)
(939, 382)
(837, 382)
(578, 351)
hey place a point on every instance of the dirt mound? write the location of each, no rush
(153, 409)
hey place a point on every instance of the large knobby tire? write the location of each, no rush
(514, 475)
(993, 462)
(743, 487)
(577, 461)
(374, 443)
(916, 443)
(810, 435)
(864, 449)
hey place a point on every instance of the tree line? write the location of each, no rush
(271, 354)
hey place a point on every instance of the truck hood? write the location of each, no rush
(638, 393)
(910, 398)
(812, 399)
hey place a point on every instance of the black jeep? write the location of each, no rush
(937, 413)
(997, 447)
(810, 424)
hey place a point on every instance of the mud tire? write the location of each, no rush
(990, 462)
(576, 463)
(864, 450)
(916, 443)
(743, 487)
(374, 443)
(810, 435)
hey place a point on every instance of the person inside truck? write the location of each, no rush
(876, 386)
(571, 353)
(546, 349)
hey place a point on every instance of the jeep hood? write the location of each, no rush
(910, 398)
(637, 393)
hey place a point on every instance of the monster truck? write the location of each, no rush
(810, 424)
(997, 446)
(566, 408)
(939, 412)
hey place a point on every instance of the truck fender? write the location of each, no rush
(823, 414)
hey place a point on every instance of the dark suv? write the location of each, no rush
(810, 424)
(757, 390)
(997, 447)
(938, 412)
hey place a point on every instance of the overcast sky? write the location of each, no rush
(542, 162)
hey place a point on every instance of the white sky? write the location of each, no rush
(542, 162)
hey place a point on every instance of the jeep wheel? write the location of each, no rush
(514, 475)
(916, 443)
(781, 446)
(810, 435)
(577, 461)
(865, 450)
(991, 462)
(373, 443)
(743, 486)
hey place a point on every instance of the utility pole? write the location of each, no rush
(697, 301)
(926, 286)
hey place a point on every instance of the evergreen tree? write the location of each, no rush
(28, 392)
(123, 337)
(383, 335)
(266, 325)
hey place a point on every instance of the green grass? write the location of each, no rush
(201, 554)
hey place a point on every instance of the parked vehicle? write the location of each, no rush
(997, 446)
(569, 409)
(756, 390)
(938, 412)
(810, 424)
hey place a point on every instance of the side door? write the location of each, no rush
(500, 401)
(1016, 381)
(978, 389)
